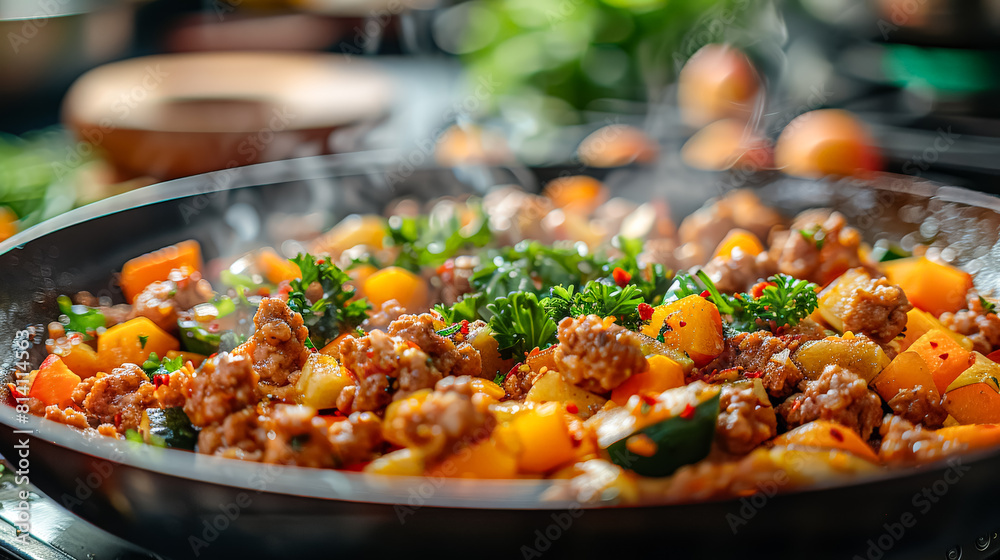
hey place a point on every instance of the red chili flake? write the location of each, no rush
(285, 288)
(512, 370)
(753, 374)
(933, 344)
(759, 287)
(572, 408)
(796, 405)
(446, 270)
(464, 329)
(688, 412)
(320, 261)
(214, 327)
(161, 379)
(14, 393)
(118, 419)
(645, 311)
(621, 277)
(682, 324)
(648, 399)
(944, 356)
(705, 294)
(370, 354)
(836, 434)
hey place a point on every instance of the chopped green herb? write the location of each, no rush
(815, 235)
(133, 436)
(431, 240)
(155, 366)
(142, 341)
(520, 324)
(596, 298)
(82, 319)
(334, 311)
(988, 306)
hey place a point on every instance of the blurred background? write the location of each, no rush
(103, 96)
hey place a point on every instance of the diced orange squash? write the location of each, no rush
(823, 434)
(484, 459)
(276, 268)
(918, 322)
(978, 403)
(944, 357)
(354, 230)
(663, 374)
(152, 267)
(358, 276)
(195, 359)
(905, 371)
(54, 383)
(132, 342)
(542, 438)
(974, 436)
(487, 387)
(695, 327)
(332, 348)
(856, 353)
(578, 194)
(82, 360)
(399, 284)
(833, 299)
(929, 285)
(8, 223)
(740, 239)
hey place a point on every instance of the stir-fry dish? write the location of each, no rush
(560, 336)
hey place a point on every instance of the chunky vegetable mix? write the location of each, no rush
(502, 338)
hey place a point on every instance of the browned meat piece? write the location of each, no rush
(67, 416)
(445, 356)
(597, 355)
(175, 391)
(982, 328)
(356, 439)
(370, 358)
(878, 310)
(278, 346)
(740, 208)
(380, 319)
(919, 405)
(518, 382)
(761, 354)
(838, 395)
(242, 435)
(300, 438)
(161, 301)
(819, 247)
(439, 423)
(904, 443)
(82, 390)
(455, 277)
(224, 385)
(411, 352)
(740, 272)
(745, 421)
(119, 398)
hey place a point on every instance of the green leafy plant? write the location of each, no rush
(334, 311)
(520, 324)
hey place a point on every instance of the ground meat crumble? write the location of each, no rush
(597, 355)
(838, 395)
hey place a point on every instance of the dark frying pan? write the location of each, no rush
(185, 505)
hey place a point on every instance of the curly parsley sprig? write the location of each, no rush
(520, 324)
(334, 311)
(781, 301)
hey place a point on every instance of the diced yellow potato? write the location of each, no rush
(402, 462)
(858, 354)
(321, 382)
(551, 387)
